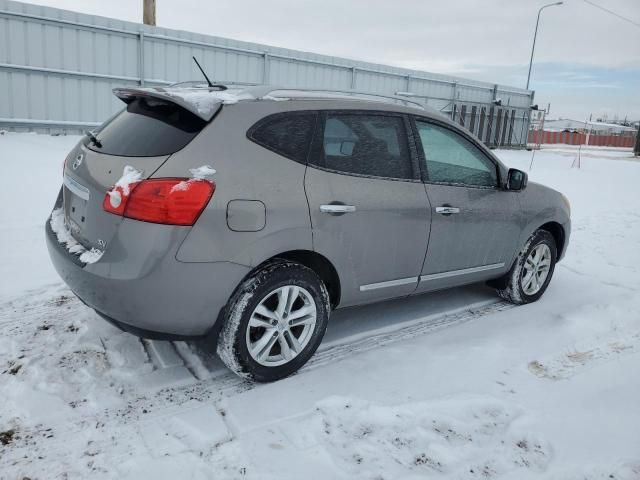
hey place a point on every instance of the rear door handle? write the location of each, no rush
(336, 209)
(446, 210)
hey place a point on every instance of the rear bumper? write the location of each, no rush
(142, 288)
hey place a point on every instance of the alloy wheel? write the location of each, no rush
(536, 269)
(281, 326)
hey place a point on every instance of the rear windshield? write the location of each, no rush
(147, 128)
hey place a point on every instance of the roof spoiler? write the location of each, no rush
(203, 103)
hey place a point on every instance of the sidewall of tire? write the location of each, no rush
(539, 237)
(260, 284)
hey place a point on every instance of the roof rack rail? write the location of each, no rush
(355, 93)
(261, 91)
(203, 83)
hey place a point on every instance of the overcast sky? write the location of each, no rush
(587, 61)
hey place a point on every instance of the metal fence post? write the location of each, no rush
(141, 57)
(454, 92)
(265, 68)
(526, 140)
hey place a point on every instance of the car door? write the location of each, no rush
(369, 210)
(474, 226)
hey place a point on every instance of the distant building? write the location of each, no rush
(582, 126)
(580, 132)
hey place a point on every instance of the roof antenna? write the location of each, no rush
(211, 85)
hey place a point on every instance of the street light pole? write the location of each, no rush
(535, 34)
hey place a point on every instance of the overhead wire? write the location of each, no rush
(611, 12)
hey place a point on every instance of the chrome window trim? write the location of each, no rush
(362, 175)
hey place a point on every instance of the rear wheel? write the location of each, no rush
(274, 322)
(531, 273)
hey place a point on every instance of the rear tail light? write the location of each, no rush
(171, 201)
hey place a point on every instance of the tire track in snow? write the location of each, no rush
(52, 309)
(416, 328)
(143, 407)
(227, 383)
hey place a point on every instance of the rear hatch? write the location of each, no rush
(130, 146)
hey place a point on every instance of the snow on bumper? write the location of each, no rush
(139, 283)
(63, 234)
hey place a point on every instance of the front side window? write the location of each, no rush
(451, 158)
(288, 134)
(365, 144)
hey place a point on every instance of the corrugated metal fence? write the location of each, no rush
(57, 69)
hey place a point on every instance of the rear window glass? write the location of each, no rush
(148, 128)
(288, 134)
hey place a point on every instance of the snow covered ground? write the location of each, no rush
(450, 385)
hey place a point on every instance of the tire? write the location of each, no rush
(520, 288)
(251, 344)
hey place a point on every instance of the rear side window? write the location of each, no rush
(148, 128)
(365, 144)
(288, 134)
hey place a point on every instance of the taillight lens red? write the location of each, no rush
(171, 201)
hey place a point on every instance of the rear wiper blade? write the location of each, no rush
(94, 139)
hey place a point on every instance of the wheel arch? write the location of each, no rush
(559, 235)
(320, 264)
(310, 259)
(557, 231)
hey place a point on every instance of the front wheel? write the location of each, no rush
(274, 322)
(532, 271)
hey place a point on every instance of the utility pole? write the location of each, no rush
(149, 12)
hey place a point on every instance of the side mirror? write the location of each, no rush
(516, 179)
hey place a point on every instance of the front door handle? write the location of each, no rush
(447, 210)
(337, 209)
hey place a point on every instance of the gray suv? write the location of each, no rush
(248, 214)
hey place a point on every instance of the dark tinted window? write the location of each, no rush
(147, 128)
(288, 134)
(452, 158)
(363, 144)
